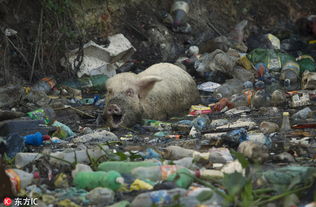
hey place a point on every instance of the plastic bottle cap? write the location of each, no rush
(120, 180)
(286, 113)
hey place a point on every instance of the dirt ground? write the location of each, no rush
(47, 29)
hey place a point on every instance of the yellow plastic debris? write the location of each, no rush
(140, 185)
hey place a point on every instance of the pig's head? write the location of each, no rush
(125, 94)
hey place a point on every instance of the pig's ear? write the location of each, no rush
(145, 84)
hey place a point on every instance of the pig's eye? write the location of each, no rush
(129, 92)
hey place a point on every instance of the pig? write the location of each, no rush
(159, 92)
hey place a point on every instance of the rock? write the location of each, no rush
(254, 151)
(10, 95)
(101, 196)
(97, 136)
(268, 127)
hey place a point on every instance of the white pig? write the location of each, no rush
(161, 91)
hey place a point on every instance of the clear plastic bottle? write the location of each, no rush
(286, 126)
(155, 173)
(45, 84)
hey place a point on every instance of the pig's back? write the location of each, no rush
(173, 95)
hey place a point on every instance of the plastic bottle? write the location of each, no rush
(34, 139)
(237, 135)
(186, 162)
(90, 180)
(239, 100)
(126, 167)
(176, 152)
(47, 114)
(94, 83)
(80, 156)
(285, 122)
(64, 127)
(19, 179)
(182, 178)
(201, 122)
(278, 98)
(155, 173)
(302, 114)
(179, 11)
(45, 85)
(209, 174)
(159, 198)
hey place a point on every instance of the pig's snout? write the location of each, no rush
(113, 109)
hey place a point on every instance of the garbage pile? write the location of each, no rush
(247, 139)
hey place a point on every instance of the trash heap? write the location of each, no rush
(250, 142)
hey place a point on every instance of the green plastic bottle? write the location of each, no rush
(306, 62)
(181, 178)
(90, 180)
(126, 167)
(94, 83)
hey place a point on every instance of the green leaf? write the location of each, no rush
(234, 183)
(121, 155)
(205, 195)
(247, 194)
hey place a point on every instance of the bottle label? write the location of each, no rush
(50, 81)
(160, 197)
(180, 5)
(167, 170)
(15, 180)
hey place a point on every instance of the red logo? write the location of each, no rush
(7, 201)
